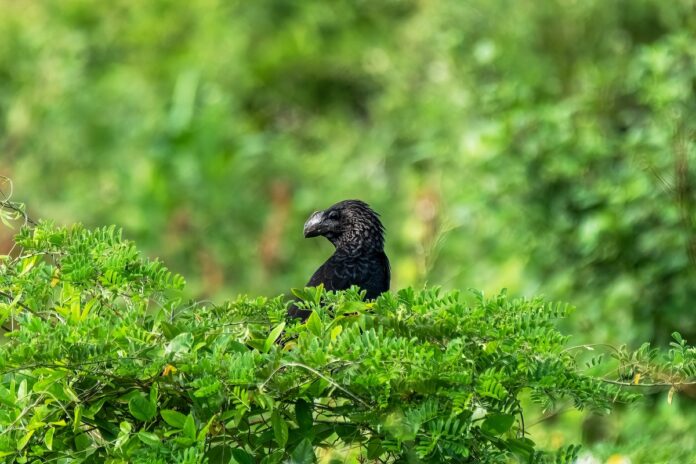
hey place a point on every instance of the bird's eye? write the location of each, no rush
(333, 215)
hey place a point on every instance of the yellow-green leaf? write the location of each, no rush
(75, 310)
(273, 336)
(314, 324)
(77, 418)
(70, 393)
(48, 438)
(88, 307)
(173, 418)
(150, 439)
(335, 332)
(189, 428)
(24, 440)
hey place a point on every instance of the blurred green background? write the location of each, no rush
(542, 146)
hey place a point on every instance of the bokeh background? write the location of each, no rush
(541, 146)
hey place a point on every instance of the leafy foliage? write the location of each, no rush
(104, 363)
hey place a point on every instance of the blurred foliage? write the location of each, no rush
(539, 146)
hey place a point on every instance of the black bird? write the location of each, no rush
(358, 235)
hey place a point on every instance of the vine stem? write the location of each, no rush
(12, 206)
(318, 374)
(590, 347)
(655, 384)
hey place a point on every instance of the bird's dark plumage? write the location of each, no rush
(358, 235)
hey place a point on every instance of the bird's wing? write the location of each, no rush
(331, 276)
(376, 276)
(371, 274)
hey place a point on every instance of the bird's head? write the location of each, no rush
(350, 225)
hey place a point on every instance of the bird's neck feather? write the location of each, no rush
(355, 246)
(359, 238)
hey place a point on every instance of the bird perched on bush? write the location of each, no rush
(358, 235)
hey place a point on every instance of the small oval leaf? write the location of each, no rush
(141, 408)
(280, 429)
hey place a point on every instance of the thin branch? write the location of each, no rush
(550, 415)
(318, 374)
(676, 385)
(19, 303)
(590, 347)
(12, 206)
(69, 367)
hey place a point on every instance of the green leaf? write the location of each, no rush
(523, 447)
(353, 307)
(8, 397)
(314, 324)
(303, 453)
(258, 344)
(141, 408)
(48, 438)
(303, 415)
(173, 418)
(180, 345)
(219, 455)
(273, 336)
(347, 433)
(374, 448)
(5, 312)
(297, 293)
(169, 330)
(280, 429)
(242, 457)
(336, 331)
(77, 420)
(236, 347)
(274, 458)
(309, 293)
(125, 427)
(70, 393)
(189, 428)
(498, 424)
(202, 433)
(24, 440)
(48, 381)
(83, 441)
(150, 439)
(396, 424)
(94, 408)
(22, 392)
(154, 393)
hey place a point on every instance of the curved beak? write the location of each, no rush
(312, 227)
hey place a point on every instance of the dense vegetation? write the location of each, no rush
(545, 147)
(104, 363)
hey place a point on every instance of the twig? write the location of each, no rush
(648, 385)
(19, 303)
(590, 347)
(69, 367)
(318, 374)
(12, 206)
(551, 415)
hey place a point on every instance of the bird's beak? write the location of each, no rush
(312, 227)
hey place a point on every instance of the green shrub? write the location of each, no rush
(103, 363)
